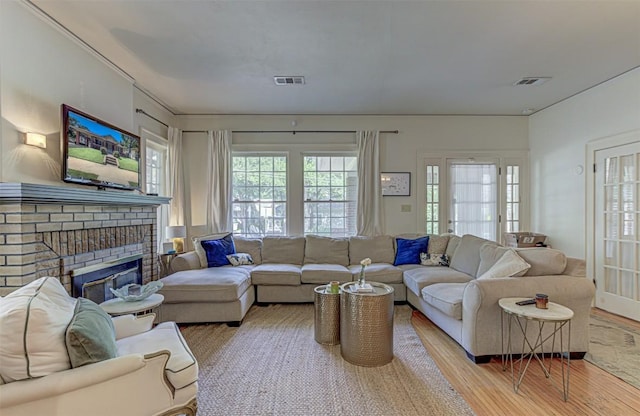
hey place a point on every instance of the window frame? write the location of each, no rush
(159, 143)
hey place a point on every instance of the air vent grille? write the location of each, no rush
(288, 80)
(531, 81)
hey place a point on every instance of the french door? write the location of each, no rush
(473, 197)
(617, 229)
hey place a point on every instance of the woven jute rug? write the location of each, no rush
(271, 365)
(615, 348)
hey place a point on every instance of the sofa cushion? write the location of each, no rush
(90, 336)
(452, 245)
(446, 297)
(466, 258)
(378, 272)
(217, 250)
(284, 250)
(324, 273)
(33, 320)
(326, 250)
(219, 284)
(408, 250)
(252, 246)
(489, 255)
(418, 278)
(197, 245)
(182, 367)
(379, 249)
(510, 264)
(544, 261)
(438, 244)
(276, 274)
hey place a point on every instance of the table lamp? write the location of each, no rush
(177, 233)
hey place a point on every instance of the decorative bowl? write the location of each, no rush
(144, 291)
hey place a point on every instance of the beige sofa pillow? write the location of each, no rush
(323, 250)
(452, 245)
(379, 249)
(438, 244)
(544, 261)
(489, 255)
(252, 246)
(509, 264)
(283, 250)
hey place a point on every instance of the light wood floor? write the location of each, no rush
(489, 391)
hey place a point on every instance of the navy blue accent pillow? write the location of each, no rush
(217, 251)
(408, 251)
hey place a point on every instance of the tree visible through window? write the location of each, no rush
(259, 193)
(330, 195)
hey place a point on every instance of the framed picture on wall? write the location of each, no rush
(396, 183)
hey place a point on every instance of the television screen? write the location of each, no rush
(97, 153)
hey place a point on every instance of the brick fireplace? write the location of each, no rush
(52, 230)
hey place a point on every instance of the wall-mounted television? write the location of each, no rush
(97, 153)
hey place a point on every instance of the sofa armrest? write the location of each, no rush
(128, 325)
(481, 314)
(75, 388)
(185, 261)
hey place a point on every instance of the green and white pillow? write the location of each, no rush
(90, 336)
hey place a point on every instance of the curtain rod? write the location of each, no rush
(141, 111)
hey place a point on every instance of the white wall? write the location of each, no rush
(558, 136)
(41, 68)
(417, 135)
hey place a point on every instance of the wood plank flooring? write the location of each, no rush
(488, 389)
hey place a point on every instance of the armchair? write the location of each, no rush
(154, 373)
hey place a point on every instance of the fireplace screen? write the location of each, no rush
(93, 282)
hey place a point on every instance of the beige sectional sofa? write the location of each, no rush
(461, 299)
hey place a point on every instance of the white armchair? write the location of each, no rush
(154, 373)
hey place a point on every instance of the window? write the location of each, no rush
(156, 176)
(513, 199)
(479, 194)
(330, 195)
(259, 194)
(432, 218)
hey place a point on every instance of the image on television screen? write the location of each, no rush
(100, 154)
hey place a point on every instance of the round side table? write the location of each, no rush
(117, 306)
(557, 315)
(366, 325)
(326, 316)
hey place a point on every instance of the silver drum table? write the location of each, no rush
(366, 325)
(327, 316)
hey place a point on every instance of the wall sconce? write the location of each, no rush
(36, 139)
(177, 233)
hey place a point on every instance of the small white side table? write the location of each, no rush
(117, 306)
(557, 315)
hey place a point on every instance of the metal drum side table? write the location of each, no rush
(366, 325)
(327, 316)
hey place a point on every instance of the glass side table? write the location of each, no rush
(555, 315)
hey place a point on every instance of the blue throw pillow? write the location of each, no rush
(408, 251)
(217, 251)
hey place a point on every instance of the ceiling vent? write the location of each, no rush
(531, 81)
(288, 80)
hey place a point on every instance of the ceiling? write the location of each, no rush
(361, 56)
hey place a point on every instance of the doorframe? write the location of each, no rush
(593, 146)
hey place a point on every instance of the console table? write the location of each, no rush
(557, 315)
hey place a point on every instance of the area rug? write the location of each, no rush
(615, 348)
(271, 365)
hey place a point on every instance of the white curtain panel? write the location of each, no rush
(219, 174)
(370, 210)
(176, 177)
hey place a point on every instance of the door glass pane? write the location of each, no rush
(474, 199)
(611, 253)
(611, 225)
(610, 280)
(628, 168)
(626, 283)
(628, 255)
(611, 170)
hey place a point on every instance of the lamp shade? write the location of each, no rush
(176, 231)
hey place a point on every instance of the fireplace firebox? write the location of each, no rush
(93, 282)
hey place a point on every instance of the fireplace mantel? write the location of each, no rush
(28, 193)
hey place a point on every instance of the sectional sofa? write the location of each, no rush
(456, 282)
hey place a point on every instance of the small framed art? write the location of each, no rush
(396, 183)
